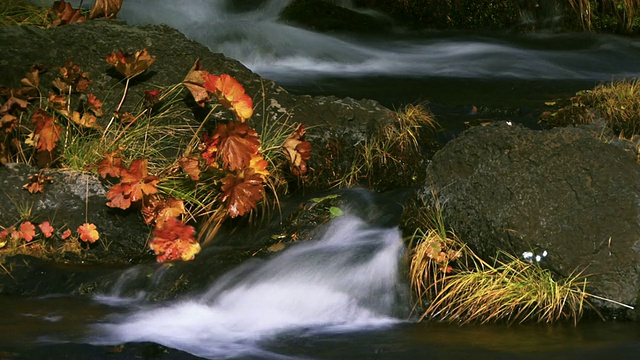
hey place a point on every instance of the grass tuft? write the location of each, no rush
(22, 12)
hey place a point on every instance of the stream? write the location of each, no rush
(342, 295)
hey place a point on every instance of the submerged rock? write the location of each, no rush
(570, 192)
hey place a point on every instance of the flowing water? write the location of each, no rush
(340, 296)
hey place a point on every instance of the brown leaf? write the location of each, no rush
(191, 166)
(95, 105)
(46, 130)
(30, 84)
(87, 120)
(72, 78)
(105, 8)
(241, 193)
(36, 183)
(238, 144)
(194, 82)
(13, 103)
(131, 65)
(297, 151)
(8, 123)
(65, 14)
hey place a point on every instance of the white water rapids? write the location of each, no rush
(347, 280)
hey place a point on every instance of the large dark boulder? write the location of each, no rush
(573, 192)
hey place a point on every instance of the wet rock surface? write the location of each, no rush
(572, 192)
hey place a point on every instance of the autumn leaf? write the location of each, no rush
(209, 149)
(158, 211)
(73, 78)
(151, 97)
(131, 65)
(95, 105)
(297, 151)
(194, 83)
(105, 8)
(46, 130)
(30, 83)
(8, 123)
(47, 229)
(259, 166)
(238, 143)
(88, 233)
(191, 166)
(65, 235)
(230, 94)
(58, 103)
(173, 240)
(86, 120)
(111, 165)
(65, 14)
(27, 231)
(241, 193)
(13, 103)
(134, 186)
(36, 183)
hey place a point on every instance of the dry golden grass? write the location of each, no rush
(22, 12)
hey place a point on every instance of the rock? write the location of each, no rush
(570, 191)
(324, 16)
(72, 199)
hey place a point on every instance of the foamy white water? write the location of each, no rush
(348, 280)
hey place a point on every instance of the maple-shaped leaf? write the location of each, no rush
(238, 144)
(36, 183)
(105, 8)
(297, 151)
(95, 105)
(131, 65)
(241, 193)
(231, 94)
(13, 103)
(30, 83)
(65, 14)
(86, 120)
(117, 198)
(141, 182)
(191, 166)
(159, 211)
(88, 233)
(173, 240)
(58, 103)
(47, 229)
(46, 130)
(73, 78)
(27, 231)
(126, 117)
(65, 235)
(8, 123)
(111, 165)
(194, 82)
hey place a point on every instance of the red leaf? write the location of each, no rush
(136, 185)
(47, 229)
(46, 130)
(242, 193)
(88, 233)
(238, 144)
(27, 231)
(173, 240)
(65, 235)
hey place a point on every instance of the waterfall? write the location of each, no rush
(346, 280)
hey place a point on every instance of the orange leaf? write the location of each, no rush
(117, 198)
(73, 78)
(66, 14)
(65, 235)
(241, 193)
(135, 185)
(194, 83)
(95, 105)
(160, 210)
(58, 103)
(209, 149)
(46, 130)
(111, 165)
(88, 233)
(131, 65)
(230, 94)
(105, 8)
(238, 144)
(173, 240)
(191, 166)
(87, 120)
(259, 166)
(27, 231)
(47, 229)
(297, 151)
